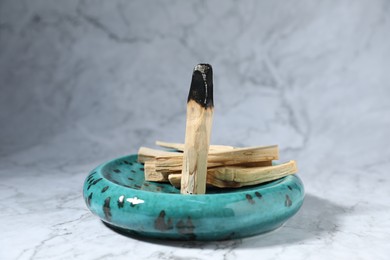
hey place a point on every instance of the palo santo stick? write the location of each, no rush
(152, 175)
(246, 155)
(146, 154)
(235, 177)
(162, 176)
(237, 156)
(200, 109)
(253, 174)
(180, 147)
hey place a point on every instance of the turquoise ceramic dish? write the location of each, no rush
(118, 194)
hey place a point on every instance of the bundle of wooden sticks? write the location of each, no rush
(193, 165)
(227, 166)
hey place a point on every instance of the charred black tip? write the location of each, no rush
(201, 90)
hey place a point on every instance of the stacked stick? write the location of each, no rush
(227, 167)
(193, 165)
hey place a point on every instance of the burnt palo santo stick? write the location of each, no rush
(200, 108)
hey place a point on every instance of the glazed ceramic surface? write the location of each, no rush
(117, 192)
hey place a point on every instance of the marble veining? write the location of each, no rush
(82, 82)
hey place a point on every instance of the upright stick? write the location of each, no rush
(198, 130)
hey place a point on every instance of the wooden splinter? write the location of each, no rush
(198, 130)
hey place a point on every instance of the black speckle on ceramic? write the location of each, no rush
(90, 176)
(288, 201)
(121, 201)
(107, 209)
(96, 181)
(162, 224)
(89, 199)
(250, 199)
(186, 228)
(93, 182)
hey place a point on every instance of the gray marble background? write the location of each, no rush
(85, 81)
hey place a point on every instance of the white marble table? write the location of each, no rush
(345, 214)
(83, 82)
